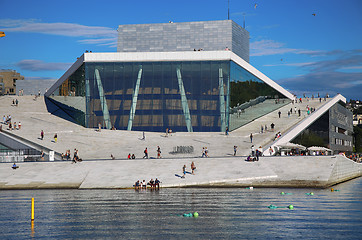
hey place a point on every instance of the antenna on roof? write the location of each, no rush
(228, 9)
(244, 20)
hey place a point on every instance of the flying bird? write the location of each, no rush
(313, 14)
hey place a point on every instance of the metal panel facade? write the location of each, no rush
(188, 36)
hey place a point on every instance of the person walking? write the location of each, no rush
(251, 137)
(55, 137)
(42, 135)
(146, 153)
(184, 171)
(235, 149)
(272, 127)
(193, 167)
(158, 152)
(279, 113)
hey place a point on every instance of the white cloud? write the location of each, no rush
(102, 34)
(37, 65)
(289, 64)
(269, 47)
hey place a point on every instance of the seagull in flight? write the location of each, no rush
(313, 14)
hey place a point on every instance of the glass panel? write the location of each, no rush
(250, 97)
(70, 99)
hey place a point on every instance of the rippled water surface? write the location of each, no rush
(224, 213)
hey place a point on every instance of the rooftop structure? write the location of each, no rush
(184, 36)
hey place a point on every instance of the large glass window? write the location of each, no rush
(152, 96)
(250, 97)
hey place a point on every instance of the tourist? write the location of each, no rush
(137, 185)
(227, 131)
(41, 134)
(235, 149)
(206, 152)
(14, 166)
(279, 113)
(271, 151)
(151, 183)
(272, 127)
(129, 156)
(158, 152)
(251, 137)
(203, 152)
(55, 137)
(19, 125)
(133, 156)
(193, 167)
(42, 155)
(298, 112)
(157, 184)
(141, 185)
(184, 171)
(261, 129)
(252, 149)
(99, 127)
(112, 157)
(144, 185)
(146, 153)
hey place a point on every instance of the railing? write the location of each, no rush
(21, 155)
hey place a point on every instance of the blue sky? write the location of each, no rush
(302, 52)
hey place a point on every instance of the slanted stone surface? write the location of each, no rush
(222, 169)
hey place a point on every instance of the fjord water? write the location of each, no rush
(224, 213)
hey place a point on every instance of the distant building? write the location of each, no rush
(8, 80)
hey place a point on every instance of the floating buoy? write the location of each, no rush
(251, 188)
(310, 194)
(282, 193)
(187, 215)
(271, 206)
(285, 193)
(196, 214)
(334, 190)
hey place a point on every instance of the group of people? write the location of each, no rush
(67, 156)
(7, 120)
(355, 157)
(205, 152)
(193, 168)
(153, 184)
(168, 132)
(15, 102)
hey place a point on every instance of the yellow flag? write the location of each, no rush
(2, 34)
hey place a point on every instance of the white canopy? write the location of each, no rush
(316, 148)
(289, 145)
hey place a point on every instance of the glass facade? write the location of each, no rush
(199, 96)
(317, 134)
(250, 97)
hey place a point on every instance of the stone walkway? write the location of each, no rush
(100, 145)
